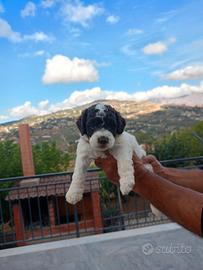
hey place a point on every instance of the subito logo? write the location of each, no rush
(147, 249)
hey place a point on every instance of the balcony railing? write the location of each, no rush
(33, 209)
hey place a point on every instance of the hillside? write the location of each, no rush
(148, 117)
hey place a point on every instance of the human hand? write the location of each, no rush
(109, 166)
(156, 165)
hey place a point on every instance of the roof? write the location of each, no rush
(48, 186)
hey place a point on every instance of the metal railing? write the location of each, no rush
(33, 209)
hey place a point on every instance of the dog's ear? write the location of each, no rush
(81, 122)
(120, 121)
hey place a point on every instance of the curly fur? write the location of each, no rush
(102, 128)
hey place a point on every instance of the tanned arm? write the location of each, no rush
(192, 179)
(179, 203)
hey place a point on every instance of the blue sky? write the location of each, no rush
(57, 54)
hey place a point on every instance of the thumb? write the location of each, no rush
(149, 159)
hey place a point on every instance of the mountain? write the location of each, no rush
(194, 99)
(152, 118)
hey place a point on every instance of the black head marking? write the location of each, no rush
(100, 116)
(81, 122)
(120, 121)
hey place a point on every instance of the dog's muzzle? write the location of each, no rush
(103, 140)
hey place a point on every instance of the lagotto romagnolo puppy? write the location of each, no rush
(102, 128)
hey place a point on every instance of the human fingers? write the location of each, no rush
(149, 159)
(109, 166)
(157, 167)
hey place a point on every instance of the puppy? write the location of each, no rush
(102, 128)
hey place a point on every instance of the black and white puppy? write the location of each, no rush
(102, 128)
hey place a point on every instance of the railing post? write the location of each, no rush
(121, 208)
(76, 221)
(51, 211)
(96, 211)
(19, 225)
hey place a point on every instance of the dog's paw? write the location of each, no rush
(126, 185)
(73, 197)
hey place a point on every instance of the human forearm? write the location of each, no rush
(179, 203)
(192, 179)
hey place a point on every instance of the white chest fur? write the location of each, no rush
(122, 151)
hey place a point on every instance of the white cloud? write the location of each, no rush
(78, 98)
(165, 91)
(29, 10)
(134, 31)
(44, 104)
(159, 47)
(33, 54)
(187, 73)
(38, 37)
(128, 50)
(82, 97)
(172, 40)
(112, 19)
(103, 64)
(2, 10)
(61, 69)
(24, 110)
(169, 92)
(155, 48)
(78, 13)
(3, 117)
(75, 32)
(166, 16)
(7, 32)
(47, 3)
(39, 53)
(27, 109)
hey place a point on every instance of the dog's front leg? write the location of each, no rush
(83, 160)
(123, 155)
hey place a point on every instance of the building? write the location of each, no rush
(39, 206)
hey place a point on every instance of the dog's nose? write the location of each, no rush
(103, 140)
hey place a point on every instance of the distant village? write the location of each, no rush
(144, 117)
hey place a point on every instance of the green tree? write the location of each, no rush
(10, 162)
(180, 144)
(48, 158)
(144, 137)
(10, 166)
